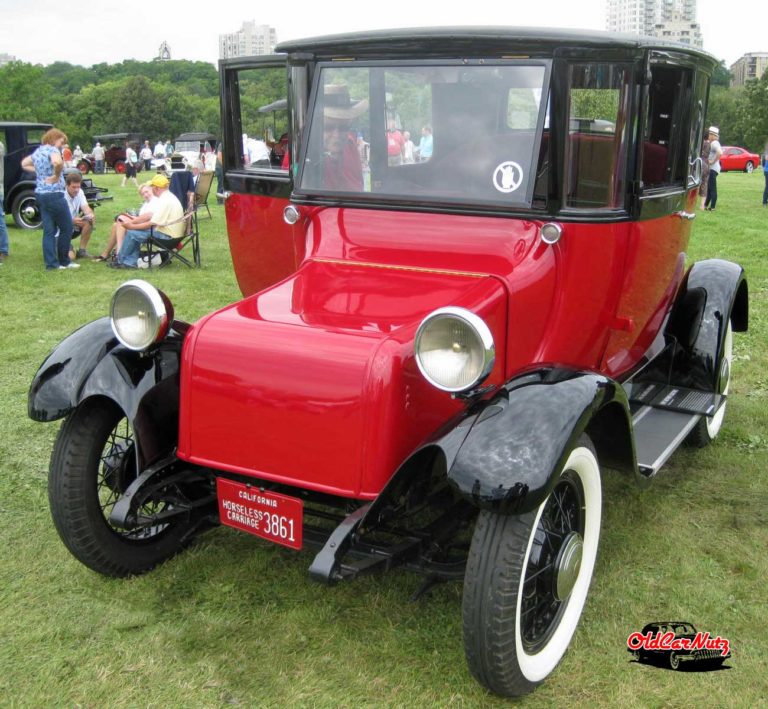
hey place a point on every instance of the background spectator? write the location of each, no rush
(98, 158)
(3, 228)
(47, 164)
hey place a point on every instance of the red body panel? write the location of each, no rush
(252, 222)
(313, 381)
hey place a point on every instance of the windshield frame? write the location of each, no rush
(436, 202)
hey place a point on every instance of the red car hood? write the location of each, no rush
(313, 382)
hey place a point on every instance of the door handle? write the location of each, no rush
(690, 216)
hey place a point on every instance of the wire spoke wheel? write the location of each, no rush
(527, 580)
(117, 470)
(94, 462)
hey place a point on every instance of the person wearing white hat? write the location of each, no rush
(715, 152)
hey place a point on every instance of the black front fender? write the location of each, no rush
(519, 442)
(91, 362)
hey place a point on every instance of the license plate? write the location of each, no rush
(268, 515)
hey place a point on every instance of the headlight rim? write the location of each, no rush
(483, 333)
(161, 306)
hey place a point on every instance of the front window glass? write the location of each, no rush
(264, 118)
(432, 133)
(596, 147)
(35, 135)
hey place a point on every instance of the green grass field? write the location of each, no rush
(236, 621)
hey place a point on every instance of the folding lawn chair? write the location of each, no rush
(202, 189)
(170, 249)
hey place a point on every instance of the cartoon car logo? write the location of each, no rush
(675, 643)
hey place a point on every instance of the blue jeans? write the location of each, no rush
(711, 200)
(55, 213)
(3, 229)
(99, 167)
(765, 192)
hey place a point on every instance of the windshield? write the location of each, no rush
(427, 133)
(188, 146)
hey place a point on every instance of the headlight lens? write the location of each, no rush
(454, 349)
(141, 314)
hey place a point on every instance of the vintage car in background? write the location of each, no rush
(434, 358)
(738, 159)
(190, 147)
(675, 659)
(114, 152)
(22, 139)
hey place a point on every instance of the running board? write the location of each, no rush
(674, 398)
(658, 434)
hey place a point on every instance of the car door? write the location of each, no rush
(668, 168)
(257, 174)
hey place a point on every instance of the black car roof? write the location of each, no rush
(446, 41)
(196, 136)
(24, 124)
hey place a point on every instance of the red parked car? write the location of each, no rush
(738, 159)
(435, 356)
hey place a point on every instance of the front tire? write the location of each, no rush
(527, 580)
(26, 211)
(93, 463)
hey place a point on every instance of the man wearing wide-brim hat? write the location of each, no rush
(715, 152)
(167, 215)
(342, 169)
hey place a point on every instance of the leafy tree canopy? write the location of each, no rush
(157, 99)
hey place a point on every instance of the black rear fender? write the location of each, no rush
(714, 292)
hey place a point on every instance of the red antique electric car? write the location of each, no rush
(444, 336)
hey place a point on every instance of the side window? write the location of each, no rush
(666, 149)
(263, 119)
(35, 136)
(596, 147)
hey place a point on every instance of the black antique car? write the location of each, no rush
(677, 643)
(21, 139)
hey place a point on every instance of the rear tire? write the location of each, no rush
(119, 167)
(522, 597)
(93, 463)
(749, 167)
(708, 427)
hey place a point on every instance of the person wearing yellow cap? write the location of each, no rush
(166, 220)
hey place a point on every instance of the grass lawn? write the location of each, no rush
(235, 621)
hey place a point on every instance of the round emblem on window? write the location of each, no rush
(507, 177)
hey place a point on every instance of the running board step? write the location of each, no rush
(674, 398)
(658, 434)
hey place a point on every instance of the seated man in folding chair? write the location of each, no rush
(167, 221)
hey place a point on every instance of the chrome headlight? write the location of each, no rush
(454, 349)
(141, 314)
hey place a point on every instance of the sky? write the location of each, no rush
(88, 32)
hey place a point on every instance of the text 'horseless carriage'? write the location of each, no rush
(465, 295)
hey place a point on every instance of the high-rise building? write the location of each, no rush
(750, 66)
(251, 39)
(674, 20)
